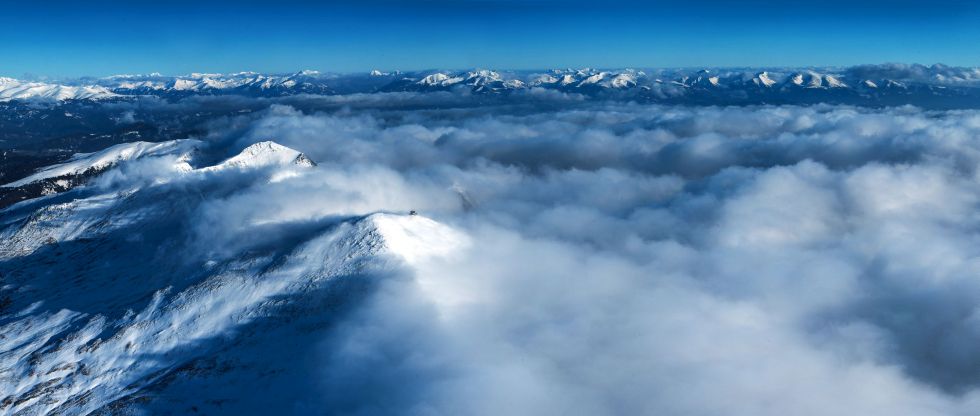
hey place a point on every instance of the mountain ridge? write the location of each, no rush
(92, 329)
(869, 84)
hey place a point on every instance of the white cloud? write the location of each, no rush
(631, 259)
(639, 260)
(645, 259)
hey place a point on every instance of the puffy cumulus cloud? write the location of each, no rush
(634, 259)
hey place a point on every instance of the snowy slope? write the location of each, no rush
(85, 372)
(12, 89)
(86, 162)
(116, 332)
(264, 154)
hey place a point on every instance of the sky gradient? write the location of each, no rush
(60, 39)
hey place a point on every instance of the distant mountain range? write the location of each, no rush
(892, 84)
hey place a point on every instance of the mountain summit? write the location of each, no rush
(94, 329)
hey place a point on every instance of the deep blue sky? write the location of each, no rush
(60, 39)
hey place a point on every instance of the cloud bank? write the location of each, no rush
(632, 259)
(626, 258)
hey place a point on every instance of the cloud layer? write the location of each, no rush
(621, 258)
(631, 259)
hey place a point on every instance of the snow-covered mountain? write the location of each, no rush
(12, 89)
(264, 154)
(198, 83)
(92, 163)
(861, 85)
(92, 329)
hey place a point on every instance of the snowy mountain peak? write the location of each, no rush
(763, 80)
(440, 79)
(624, 80)
(267, 153)
(834, 82)
(593, 79)
(514, 84)
(416, 238)
(704, 79)
(482, 78)
(182, 84)
(797, 79)
(12, 89)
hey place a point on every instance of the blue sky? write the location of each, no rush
(62, 39)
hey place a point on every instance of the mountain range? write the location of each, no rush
(862, 85)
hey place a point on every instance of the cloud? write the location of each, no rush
(626, 258)
(936, 73)
(646, 259)
(658, 140)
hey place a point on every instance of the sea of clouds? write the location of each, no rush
(634, 259)
(638, 259)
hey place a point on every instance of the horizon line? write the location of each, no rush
(41, 77)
